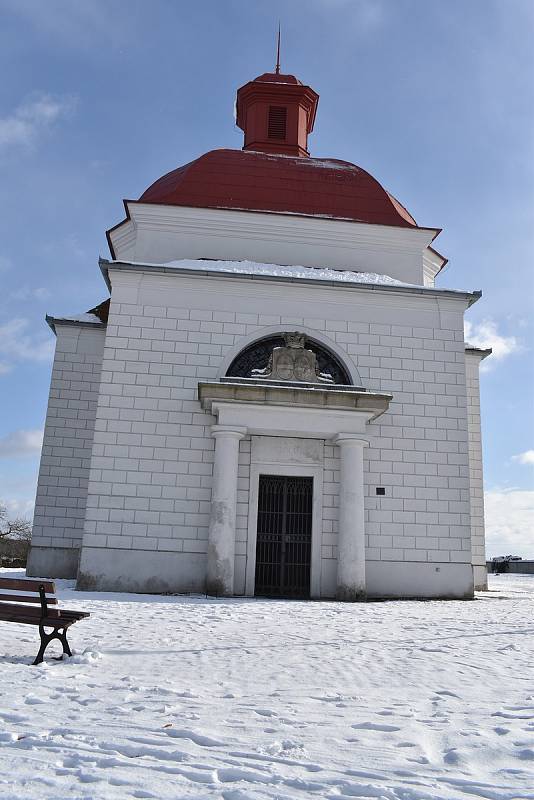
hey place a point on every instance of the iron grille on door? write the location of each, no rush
(283, 549)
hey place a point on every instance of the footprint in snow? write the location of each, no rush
(197, 738)
(119, 782)
(88, 777)
(33, 700)
(375, 726)
(504, 715)
(451, 757)
(284, 747)
(335, 698)
(14, 717)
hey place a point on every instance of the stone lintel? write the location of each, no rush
(328, 397)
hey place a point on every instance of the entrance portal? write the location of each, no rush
(283, 549)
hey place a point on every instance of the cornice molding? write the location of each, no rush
(441, 296)
(163, 233)
(295, 227)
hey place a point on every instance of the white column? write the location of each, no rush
(221, 544)
(351, 547)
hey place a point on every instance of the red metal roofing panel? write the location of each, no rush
(263, 182)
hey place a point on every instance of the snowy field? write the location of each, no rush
(173, 697)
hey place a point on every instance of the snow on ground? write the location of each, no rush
(187, 697)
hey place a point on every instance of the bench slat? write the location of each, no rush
(25, 598)
(28, 611)
(20, 620)
(49, 622)
(27, 585)
(13, 608)
(65, 613)
(16, 613)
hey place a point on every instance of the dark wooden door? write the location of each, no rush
(283, 549)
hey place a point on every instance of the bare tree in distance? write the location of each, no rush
(17, 528)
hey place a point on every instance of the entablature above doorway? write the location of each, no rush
(304, 410)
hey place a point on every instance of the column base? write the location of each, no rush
(220, 570)
(215, 591)
(349, 594)
(219, 587)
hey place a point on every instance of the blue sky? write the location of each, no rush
(433, 97)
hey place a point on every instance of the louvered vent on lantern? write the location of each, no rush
(277, 122)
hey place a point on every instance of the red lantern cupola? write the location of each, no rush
(276, 113)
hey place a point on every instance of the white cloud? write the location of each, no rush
(524, 458)
(21, 443)
(31, 119)
(509, 517)
(18, 508)
(18, 344)
(485, 334)
(18, 482)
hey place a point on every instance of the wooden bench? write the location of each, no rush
(16, 597)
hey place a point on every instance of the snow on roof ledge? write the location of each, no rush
(370, 280)
(74, 319)
(481, 352)
(287, 271)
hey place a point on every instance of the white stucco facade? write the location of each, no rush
(473, 357)
(276, 399)
(173, 479)
(61, 500)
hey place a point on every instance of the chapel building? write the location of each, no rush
(276, 399)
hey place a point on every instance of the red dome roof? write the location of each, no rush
(253, 181)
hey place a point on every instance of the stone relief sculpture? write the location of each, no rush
(294, 362)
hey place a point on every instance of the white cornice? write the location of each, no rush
(432, 264)
(478, 353)
(293, 227)
(152, 275)
(161, 233)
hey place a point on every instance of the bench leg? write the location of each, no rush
(46, 638)
(63, 639)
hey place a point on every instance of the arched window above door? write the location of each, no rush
(256, 358)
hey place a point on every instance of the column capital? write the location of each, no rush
(350, 439)
(228, 432)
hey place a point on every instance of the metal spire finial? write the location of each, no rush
(277, 68)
